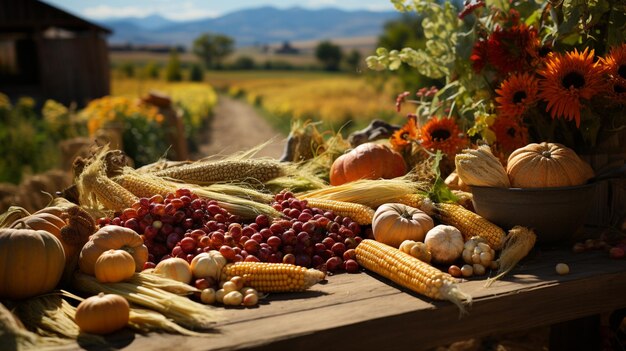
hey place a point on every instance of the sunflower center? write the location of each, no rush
(519, 96)
(622, 71)
(440, 134)
(511, 132)
(573, 79)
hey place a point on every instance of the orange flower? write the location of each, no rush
(403, 137)
(510, 133)
(615, 64)
(567, 80)
(442, 134)
(516, 93)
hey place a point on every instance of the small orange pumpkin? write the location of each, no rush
(394, 223)
(367, 161)
(102, 314)
(114, 266)
(112, 237)
(32, 262)
(547, 165)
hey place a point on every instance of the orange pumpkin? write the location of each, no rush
(367, 161)
(114, 266)
(102, 314)
(31, 262)
(112, 237)
(547, 165)
(393, 223)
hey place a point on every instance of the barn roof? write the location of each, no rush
(24, 14)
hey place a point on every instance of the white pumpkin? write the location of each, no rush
(445, 243)
(174, 268)
(208, 264)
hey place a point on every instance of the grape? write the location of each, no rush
(227, 252)
(333, 264)
(188, 244)
(351, 266)
(289, 258)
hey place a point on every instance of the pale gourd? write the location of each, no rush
(445, 244)
(116, 238)
(102, 314)
(174, 268)
(208, 264)
(393, 223)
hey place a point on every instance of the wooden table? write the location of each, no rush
(366, 312)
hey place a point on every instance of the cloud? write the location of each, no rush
(181, 12)
(104, 11)
(321, 3)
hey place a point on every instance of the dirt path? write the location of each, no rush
(236, 126)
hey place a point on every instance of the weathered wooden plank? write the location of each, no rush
(367, 312)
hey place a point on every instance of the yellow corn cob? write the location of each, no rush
(141, 186)
(110, 194)
(226, 170)
(360, 213)
(470, 224)
(273, 277)
(413, 200)
(409, 272)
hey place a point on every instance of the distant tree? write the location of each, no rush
(244, 62)
(213, 48)
(173, 72)
(127, 69)
(196, 73)
(329, 55)
(353, 60)
(151, 70)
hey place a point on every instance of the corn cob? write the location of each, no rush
(413, 200)
(360, 213)
(410, 272)
(143, 187)
(110, 194)
(226, 170)
(273, 277)
(467, 222)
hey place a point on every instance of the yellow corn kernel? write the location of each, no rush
(413, 200)
(226, 170)
(409, 272)
(273, 277)
(470, 224)
(360, 213)
(141, 186)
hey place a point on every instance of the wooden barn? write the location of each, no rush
(47, 53)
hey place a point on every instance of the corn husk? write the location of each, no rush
(14, 336)
(517, 245)
(372, 193)
(156, 281)
(180, 309)
(13, 214)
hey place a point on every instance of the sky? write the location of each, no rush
(182, 10)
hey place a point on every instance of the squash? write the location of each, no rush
(102, 314)
(479, 167)
(174, 268)
(367, 161)
(31, 262)
(445, 244)
(112, 237)
(547, 165)
(208, 264)
(393, 223)
(114, 266)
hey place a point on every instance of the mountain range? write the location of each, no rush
(257, 26)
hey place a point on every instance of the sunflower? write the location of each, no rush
(442, 134)
(405, 135)
(516, 94)
(510, 133)
(615, 65)
(569, 78)
(513, 49)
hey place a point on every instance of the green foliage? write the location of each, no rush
(353, 60)
(213, 48)
(196, 74)
(173, 71)
(244, 63)
(25, 143)
(329, 55)
(152, 70)
(127, 69)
